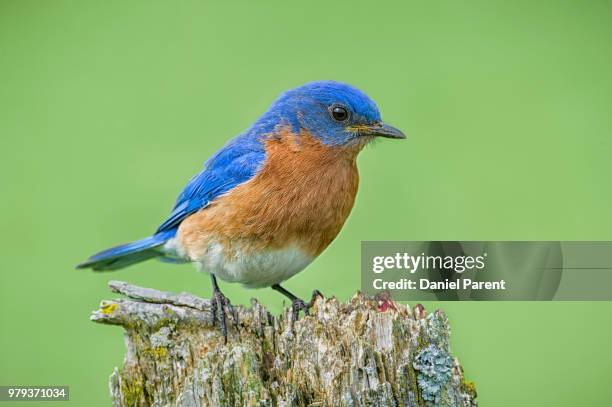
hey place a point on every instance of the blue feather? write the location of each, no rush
(126, 254)
(236, 163)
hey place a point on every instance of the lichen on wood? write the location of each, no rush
(366, 352)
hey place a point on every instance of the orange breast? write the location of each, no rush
(301, 196)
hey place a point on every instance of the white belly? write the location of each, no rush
(252, 269)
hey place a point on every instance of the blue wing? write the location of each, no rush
(234, 164)
(237, 162)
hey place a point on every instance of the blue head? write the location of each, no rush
(335, 113)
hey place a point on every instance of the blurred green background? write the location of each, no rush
(108, 107)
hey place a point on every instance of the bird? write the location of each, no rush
(271, 199)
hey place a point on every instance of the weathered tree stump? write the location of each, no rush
(367, 352)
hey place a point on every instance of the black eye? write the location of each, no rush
(339, 113)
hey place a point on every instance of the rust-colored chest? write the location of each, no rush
(302, 196)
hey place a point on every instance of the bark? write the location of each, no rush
(366, 352)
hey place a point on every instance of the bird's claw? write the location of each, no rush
(220, 305)
(298, 305)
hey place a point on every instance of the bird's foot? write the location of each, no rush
(298, 305)
(221, 306)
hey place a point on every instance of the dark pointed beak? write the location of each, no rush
(383, 130)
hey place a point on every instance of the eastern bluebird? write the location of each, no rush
(272, 199)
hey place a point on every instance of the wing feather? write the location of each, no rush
(236, 163)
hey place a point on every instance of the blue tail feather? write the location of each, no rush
(126, 254)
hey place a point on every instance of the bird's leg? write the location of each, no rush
(220, 304)
(297, 304)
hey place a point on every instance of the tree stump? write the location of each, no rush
(366, 352)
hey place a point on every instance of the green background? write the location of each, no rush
(108, 107)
